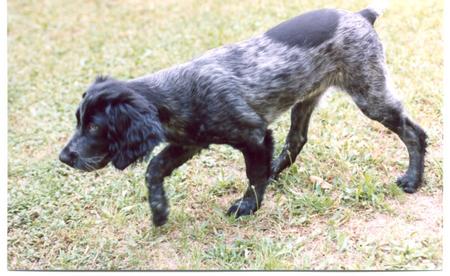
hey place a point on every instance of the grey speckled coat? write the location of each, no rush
(230, 95)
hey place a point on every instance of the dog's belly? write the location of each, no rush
(273, 104)
(275, 95)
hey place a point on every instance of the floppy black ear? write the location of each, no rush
(134, 129)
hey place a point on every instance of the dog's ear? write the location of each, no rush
(134, 129)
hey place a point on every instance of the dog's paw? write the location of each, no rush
(243, 207)
(160, 212)
(408, 183)
(160, 219)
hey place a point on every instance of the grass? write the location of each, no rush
(59, 218)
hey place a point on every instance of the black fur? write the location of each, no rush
(307, 30)
(128, 127)
(369, 15)
(258, 160)
(161, 166)
(232, 94)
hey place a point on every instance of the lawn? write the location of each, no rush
(336, 208)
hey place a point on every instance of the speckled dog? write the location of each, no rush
(230, 95)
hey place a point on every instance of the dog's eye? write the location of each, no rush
(92, 127)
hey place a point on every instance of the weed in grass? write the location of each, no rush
(224, 186)
(365, 192)
(312, 204)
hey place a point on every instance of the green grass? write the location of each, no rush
(59, 218)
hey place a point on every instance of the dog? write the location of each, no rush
(230, 95)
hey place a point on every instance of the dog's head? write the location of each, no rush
(114, 123)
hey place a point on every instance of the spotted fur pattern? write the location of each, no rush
(230, 95)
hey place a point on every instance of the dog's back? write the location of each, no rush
(298, 59)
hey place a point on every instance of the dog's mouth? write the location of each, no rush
(94, 163)
(89, 164)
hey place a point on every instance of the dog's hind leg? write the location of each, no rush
(258, 158)
(162, 165)
(297, 136)
(374, 96)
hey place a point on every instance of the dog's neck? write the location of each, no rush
(161, 87)
(164, 89)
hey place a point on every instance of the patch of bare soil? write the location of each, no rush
(416, 214)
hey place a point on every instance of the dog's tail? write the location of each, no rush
(372, 12)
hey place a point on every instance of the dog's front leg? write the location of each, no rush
(258, 168)
(162, 165)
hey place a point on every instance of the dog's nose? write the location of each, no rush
(67, 156)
